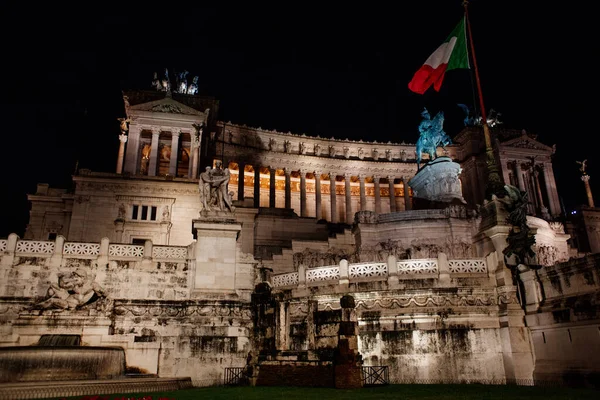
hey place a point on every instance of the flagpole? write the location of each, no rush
(495, 184)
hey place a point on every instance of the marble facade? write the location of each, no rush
(317, 218)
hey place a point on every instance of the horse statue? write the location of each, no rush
(432, 136)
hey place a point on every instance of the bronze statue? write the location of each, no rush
(432, 136)
(583, 166)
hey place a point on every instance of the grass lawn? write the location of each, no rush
(404, 392)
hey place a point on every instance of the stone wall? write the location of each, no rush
(150, 309)
(564, 319)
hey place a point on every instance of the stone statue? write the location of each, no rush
(520, 239)
(182, 86)
(156, 84)
(197, 138)
(193, 87)
(432, 135)
(583, 166)
(166, 83)
(214, 186)
(72, 291)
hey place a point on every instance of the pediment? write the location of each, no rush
(526, 142)
(167, 106)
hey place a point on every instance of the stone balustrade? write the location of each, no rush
(437, 268)
(59, 249)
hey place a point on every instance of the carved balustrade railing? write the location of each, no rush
(81, 249)
(469, 266)
(125, 250)
(322, 274)
(59, 248)
(169, 252)
(35, 247)
(289, 279)
(379, 271)
(419, 266)
(369, 270)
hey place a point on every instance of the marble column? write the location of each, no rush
(407, 200)
(131, 153)
(363, 193)
(332, 194)
(318, 213)
(175, 153)
(303, 209)
(377, 194)
(190, 161)
(588, 190)
(152, 166)
(288, 188)
(392, 194)
(348, 192)
(241, 169)
(504, 164)
(551, 189)
(121, 155)
(256, 186)
(272, 187)
(520, 175)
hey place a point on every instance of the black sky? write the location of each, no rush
(335, 71)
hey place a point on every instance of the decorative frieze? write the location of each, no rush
(35, 247)
(81, 249)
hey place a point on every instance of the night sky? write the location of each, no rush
(320, 70)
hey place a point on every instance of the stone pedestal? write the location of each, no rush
(438, 182)
(215, 253)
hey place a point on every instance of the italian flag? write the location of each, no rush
(452, 54)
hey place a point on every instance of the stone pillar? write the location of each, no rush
(363, 193)
(504, 165)
(256, 186)
(313, 307)
(152, 165)
(272, 187)
(588, 190)
(392, 265)
(318, 213)
(377, 194)
(241, 168)
(282, 325)
(392, 194)
(147, 257)
(288, 188)
(520, 175)
(165, 227)
(103, 255)
(303, 209)
(175, 154)
(131, 153)
(344, 270)
(56, 259)
(8, 257)
(119, 227)
(348, 361)
(443, 269)
(538, 189)
(332, 195)
(407, 200)
(551, 189)
(348, 192)
(121, 155)
(195, 150)
(216, 258)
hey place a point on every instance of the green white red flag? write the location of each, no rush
(452, 54)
